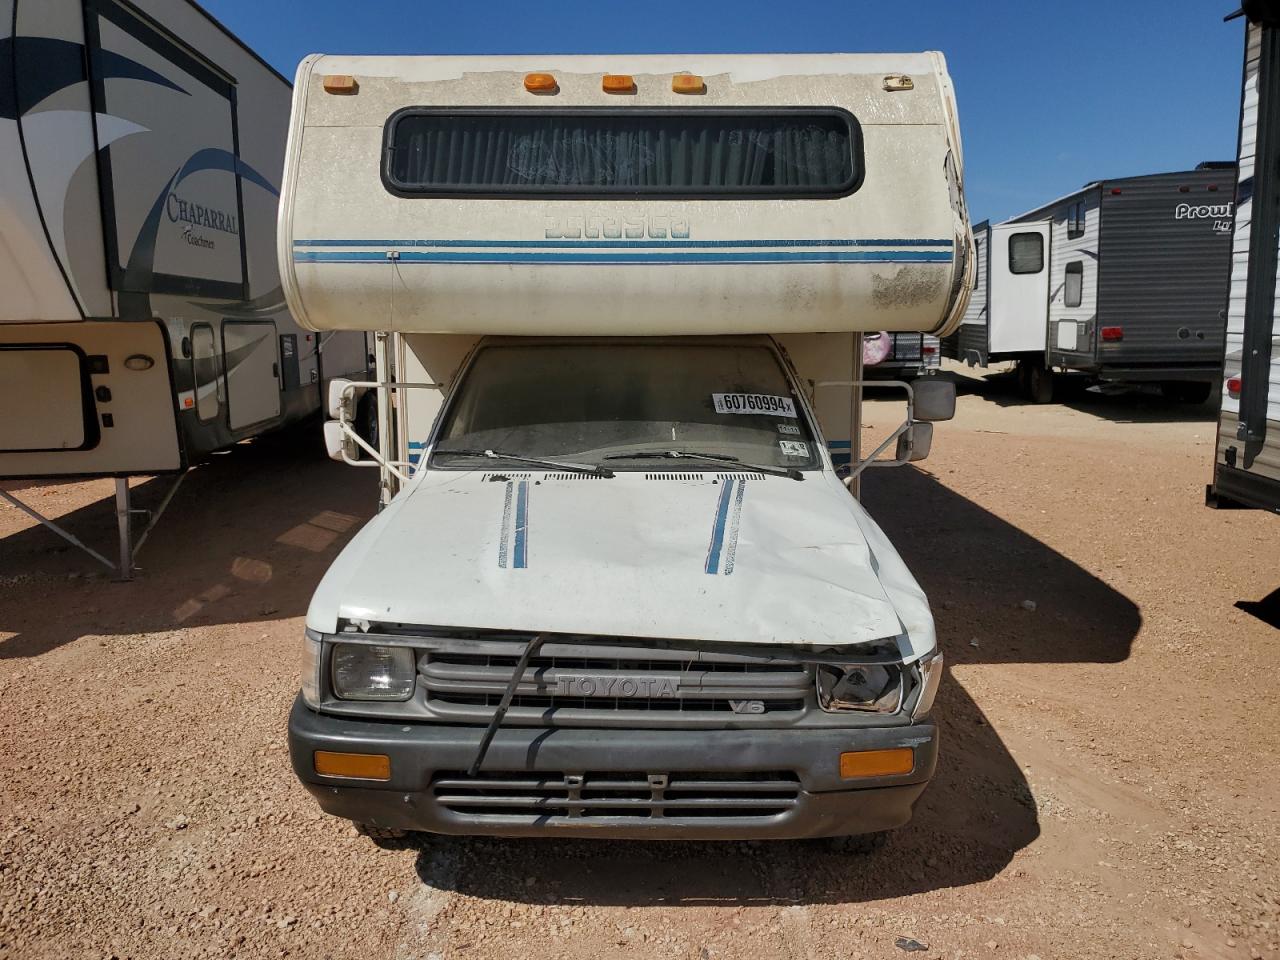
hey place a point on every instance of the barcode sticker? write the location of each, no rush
(757, 404)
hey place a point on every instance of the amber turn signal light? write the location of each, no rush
(618, 83)
(355, 766)
(540, 82)
(877, 763)
(340, 83)
(688, 83)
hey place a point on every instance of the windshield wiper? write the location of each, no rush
(537, 461)
(789, 472)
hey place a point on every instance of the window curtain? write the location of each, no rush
(654, 152)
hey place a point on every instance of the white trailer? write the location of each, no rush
(142, 325)
(618, 587)
(1247, 459)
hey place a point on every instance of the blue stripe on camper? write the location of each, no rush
(593, 244)
(717, 528)
(613, 259)
(521, 559)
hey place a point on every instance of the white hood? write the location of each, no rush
(723, 559)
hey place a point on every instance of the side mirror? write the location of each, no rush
(935, 399)
(340, 401)
(338, 444)
(916, 443)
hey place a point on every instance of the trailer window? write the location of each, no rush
(1075, 220)
(801, 152)
(1026, 253)
(1073, 285)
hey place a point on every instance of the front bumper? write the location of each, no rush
(425, 756)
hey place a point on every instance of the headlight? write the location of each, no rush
(876, 687)
(372, 672)
(311, 669)
(930, 677)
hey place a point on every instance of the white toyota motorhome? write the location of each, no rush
(618, 587)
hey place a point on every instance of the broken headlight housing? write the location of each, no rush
(311, 644)
(871, 687)
(370, 671)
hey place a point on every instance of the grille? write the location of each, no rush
(595, 681)
(614, 794)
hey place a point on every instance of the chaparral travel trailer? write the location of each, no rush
(618, 588)
(1246, 468)
(1123, 280)
(142, 323)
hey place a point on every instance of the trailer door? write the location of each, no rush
(1018, 291)
(171, 194)
(253, 372)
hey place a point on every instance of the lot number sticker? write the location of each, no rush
(791, 429)
(754, 403)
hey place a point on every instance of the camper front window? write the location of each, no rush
(596, 403)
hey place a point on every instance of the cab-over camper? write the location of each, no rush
(618, 588)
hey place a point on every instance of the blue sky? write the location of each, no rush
(1052, 94)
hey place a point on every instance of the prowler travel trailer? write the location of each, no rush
(618, 588)
(1246, 469)
(142, 323)
(1123, 280)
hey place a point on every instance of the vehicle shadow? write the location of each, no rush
(1119, 403)
(978, 812)
(246, 538)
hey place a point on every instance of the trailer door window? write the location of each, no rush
(1026, 253)
(747, 152)
(1073, 285)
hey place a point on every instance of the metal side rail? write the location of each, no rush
(128, 548)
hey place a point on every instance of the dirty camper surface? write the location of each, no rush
(1106, 787)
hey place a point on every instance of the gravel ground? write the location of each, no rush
(1107, 786)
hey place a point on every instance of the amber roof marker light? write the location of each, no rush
(541, 83)
(618, 83)
(341, 83)
(688, 83)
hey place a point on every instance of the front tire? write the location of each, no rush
(862, 844)
(386, 838)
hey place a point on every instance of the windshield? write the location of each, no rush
(591, 403)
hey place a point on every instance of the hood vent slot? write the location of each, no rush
(503, 475)
(736, 475)
(673, 476)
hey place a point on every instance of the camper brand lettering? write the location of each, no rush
(654, 226)
(197, 215)
(754, 403)
(1191, 211)
(625, 687)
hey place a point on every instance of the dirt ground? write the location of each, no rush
(1107, 785)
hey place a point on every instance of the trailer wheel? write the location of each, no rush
(1186, 391)
(1035, 380)
(862, 844)
(387, 838)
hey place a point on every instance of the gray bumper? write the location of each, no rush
(424, 757)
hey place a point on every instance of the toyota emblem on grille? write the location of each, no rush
(584, 685)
